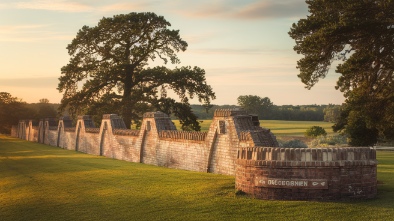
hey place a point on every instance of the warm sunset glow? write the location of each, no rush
(242, 45)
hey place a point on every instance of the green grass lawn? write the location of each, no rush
(294, 128)
(279, 127)
(39, 182)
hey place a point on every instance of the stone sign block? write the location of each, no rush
(291, 183)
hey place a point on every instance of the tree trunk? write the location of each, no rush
(127, 108)
(128, 85)
(126, 100)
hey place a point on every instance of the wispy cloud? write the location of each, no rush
(6, 29)
(54, 5)
(78, 6)
(38, 82)
(119, 7)
(271, 9)
(36, 39)
(229, 51)
(260, 9)
(200, 37)
(265, 71)
(124, 6)
(226, 51)
(29, 33)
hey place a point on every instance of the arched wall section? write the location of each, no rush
(157, 142)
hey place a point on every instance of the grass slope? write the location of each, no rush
(39, 182)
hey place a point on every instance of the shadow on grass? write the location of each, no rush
(40, 182)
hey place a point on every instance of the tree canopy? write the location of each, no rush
(45, 109)
(108, 71)
(12, 109)
(315, 131)
(255, 104)
(360, 35)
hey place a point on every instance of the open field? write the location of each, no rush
(294, 128)
(39, 182)
(279, 127)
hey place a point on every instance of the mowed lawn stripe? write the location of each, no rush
(39, 182)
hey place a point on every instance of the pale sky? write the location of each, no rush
(243, 45)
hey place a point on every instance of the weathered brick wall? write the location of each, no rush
(126, 149)
(116, 141)
(235, 144)
(182, 154)
(227, 134)
(33, 134)
(225, 144)
(88, 142)
(49, 128)
(307, 174)
(151, 143)
(51, 137)
(23, 130)
(164, 146)
(67, 139)
(14, 131)
(157, 142)
(87, 137)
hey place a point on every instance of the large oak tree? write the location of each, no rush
(108, 71)
(359, 34)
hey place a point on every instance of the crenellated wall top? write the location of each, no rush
(183, 135)
(229, 112)
(326, 156)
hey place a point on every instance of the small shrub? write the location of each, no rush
(325, 141)
(293, 144)
(315, 131)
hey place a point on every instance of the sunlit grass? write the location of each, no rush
(294, 128)
(278, 127)
(39, 182)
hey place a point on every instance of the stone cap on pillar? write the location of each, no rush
(87, 121)
(67, 122)
(84, 117)
(116, 121)
(111, 116)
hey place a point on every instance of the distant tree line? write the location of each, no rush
(13, 109)
(297, 113)
(314, 112)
